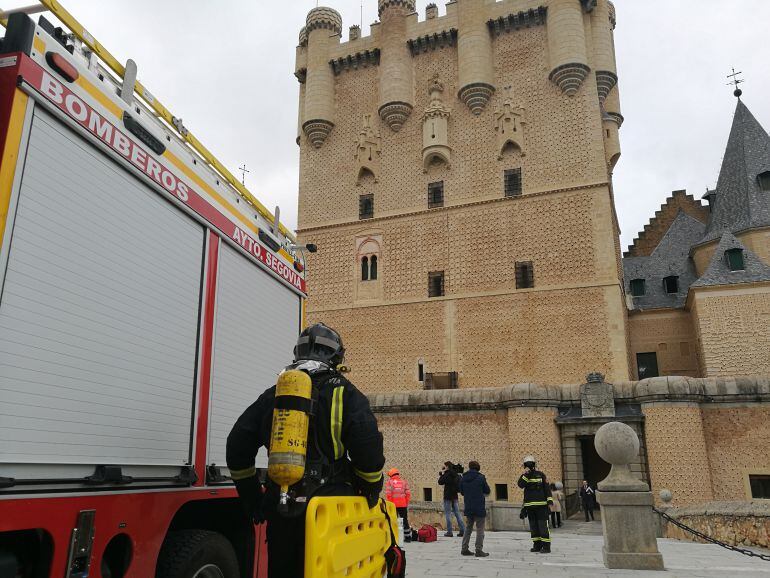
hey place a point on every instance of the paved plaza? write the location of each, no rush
(577, 551)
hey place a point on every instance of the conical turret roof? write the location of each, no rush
(740, 203)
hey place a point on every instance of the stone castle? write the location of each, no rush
(456, 175)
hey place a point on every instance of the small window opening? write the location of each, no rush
(735, 259)
(436, 194)
(436, 284)
(501, 492)
(647, 365)
(525, 275)
(608, 133)
(760, 487)
(764, 181)
(512, 181)
(366, 206)
(373, 268)
(637, 287)
(427, 494)
(365, 269)
(671, 284)
(420, 372)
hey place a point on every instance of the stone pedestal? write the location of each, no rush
(630, 531)
(628, 523)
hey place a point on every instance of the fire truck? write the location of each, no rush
(146, 299)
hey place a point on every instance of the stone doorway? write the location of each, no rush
(595, 469)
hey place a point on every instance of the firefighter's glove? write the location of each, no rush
(370, 491)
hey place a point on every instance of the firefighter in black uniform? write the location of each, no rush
(344, 455)
(537, 501)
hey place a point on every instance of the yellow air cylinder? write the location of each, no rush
(288, 439)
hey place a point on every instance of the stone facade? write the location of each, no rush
(735, 523)
(506, 105)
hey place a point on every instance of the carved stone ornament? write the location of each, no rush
(476, 96)
(509, 126)
(569, 77)
(368, 148)
(597, 398)
(317, 130)
(435, 127)
(395, 114)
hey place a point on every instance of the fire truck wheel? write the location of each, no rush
(197, 554)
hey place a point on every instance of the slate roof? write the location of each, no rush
(670, 257)
(718, 272)
(740, 203)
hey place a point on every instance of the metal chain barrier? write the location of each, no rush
(703, 536)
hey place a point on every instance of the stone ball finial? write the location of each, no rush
(666, 496)
(617, 443)
(323, 17)
(383, 5)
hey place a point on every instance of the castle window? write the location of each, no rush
(764, 181)
(501, 492)
(760, 487)
(436, 195)
(525, 275)
(512, 179)
(420, 372)
(365, 269)
(671, 284)
(637, 287)
(435, 284)
(647, 365)
(366, 206)
(427, 494)
(735, 259)
(373, 268)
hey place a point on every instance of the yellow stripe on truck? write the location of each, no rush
(10, 155)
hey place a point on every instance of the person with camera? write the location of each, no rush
(537, 500)
(449, 477)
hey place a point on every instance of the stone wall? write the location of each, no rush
(735, 523)
(668, 333)
(733, 328)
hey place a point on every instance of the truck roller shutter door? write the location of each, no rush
(257, 323)
(98, 313)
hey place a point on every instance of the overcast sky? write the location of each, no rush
(226, 68)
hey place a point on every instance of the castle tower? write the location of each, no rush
(396, 79)
(567, 45)
(462, 207)
(474, 54)
(323, 27)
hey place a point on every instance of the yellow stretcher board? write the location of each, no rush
(344, 538)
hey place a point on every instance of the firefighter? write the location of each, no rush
(537, 500)
(397, 491)
(344, 450)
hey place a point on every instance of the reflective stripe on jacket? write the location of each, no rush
(397, 491)
(537, 492)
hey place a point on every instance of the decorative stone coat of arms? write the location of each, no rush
(597, 398)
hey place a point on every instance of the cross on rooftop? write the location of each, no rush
(243, 170)
(736, 81)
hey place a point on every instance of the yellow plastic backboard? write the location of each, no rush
(344, 538)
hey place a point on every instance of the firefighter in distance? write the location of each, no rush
(537, 502)
(344, 453)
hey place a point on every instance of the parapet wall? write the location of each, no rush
(735, 523)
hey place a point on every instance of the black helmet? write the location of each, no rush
(320, 343)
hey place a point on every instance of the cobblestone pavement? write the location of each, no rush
(577, 551)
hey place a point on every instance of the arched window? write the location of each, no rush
(365, 269)
(373, 268)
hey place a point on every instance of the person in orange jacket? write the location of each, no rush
(397, 491)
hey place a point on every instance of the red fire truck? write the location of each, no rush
(145, 299)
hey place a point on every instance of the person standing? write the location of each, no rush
(556, 507)
(537, 499)
(397, 491)
(449, 477)
(474, 488)
(587, 499)
(344, 455)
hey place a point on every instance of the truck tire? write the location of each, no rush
(197, 554)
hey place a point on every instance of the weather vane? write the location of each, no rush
(735, 81)
(243, 170)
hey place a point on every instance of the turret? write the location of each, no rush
(396, 77)
(474, 53)
(300, 71)
(323, 28)
(567, 45)
(603, 48)
(611, 122)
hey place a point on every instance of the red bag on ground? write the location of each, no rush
(427, 534)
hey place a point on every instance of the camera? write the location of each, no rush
(458, 468)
